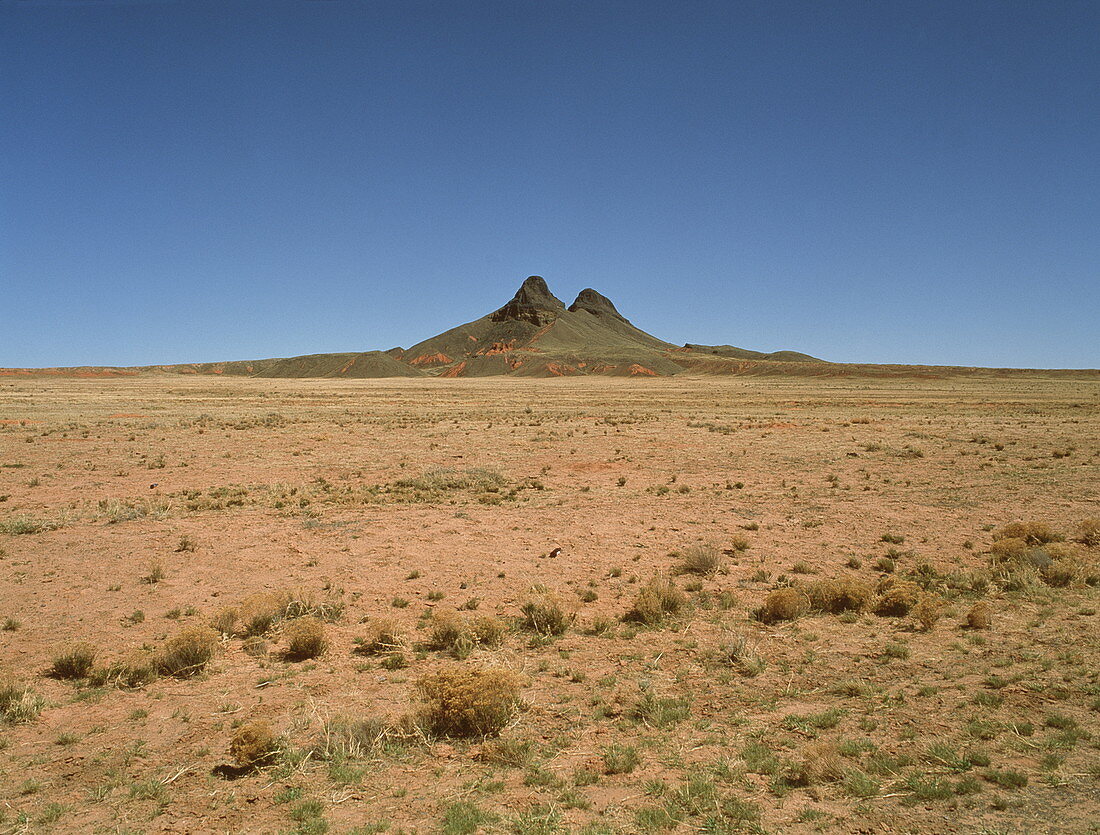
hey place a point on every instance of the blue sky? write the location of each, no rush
(910, 182)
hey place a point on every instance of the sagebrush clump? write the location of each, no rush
(463, 701)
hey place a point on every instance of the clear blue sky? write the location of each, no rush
(913, 182)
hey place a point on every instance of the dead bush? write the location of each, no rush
(1088, 532)
(657, 601)
(253, 745)
(258, 613)
(463, 701)
(896, 597)
(343, 738)
(254, 646)
(784, 604)
(305, 638)
(1033, 533)
(187, 653)
(225, 621)
(927, 611)
(705, 560)
(543, 613)
(820, 762)
(75, 662)
(980, 616)
(383, 637)
(19, 703)
(136, 670)
(841, 594)
(487, 630)
(1009, 549)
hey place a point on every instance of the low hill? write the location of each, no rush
(536, 335)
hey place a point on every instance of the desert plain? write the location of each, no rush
(779, 605)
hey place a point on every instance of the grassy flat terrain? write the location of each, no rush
(780, 604)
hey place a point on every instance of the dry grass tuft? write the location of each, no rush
(464, 702)
(253, 745)
(784, 604)
(820, 762)
(543, 613)
(841, 594)
(657, 601)
(305, 638)
(137, 670)
(19, 703)
(705, 560)
(75, 662)
(187, 653)
(1088, 532)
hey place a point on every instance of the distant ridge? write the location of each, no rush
(535, 335)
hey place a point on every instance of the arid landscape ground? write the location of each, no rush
(779, 605)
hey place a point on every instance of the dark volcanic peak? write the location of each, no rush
(588, 299)
(533, 303)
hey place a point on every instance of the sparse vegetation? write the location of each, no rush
(741, 690)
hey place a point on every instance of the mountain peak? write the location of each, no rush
(533, 303)
(595, 303)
